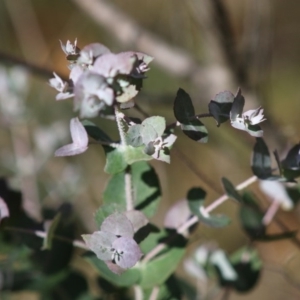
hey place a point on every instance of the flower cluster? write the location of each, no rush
(99, 78)
(247, 121)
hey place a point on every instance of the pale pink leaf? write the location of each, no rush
(4, 212)
(79, 138)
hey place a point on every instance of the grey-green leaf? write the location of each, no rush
(261, 160)
(216, 221)
(47, 242)
(115, 160)
(195, 199)
(230, 190)
(195, 130)
(128, 278)
(133, 135)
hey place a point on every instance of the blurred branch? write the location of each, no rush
(8, 59)
(27, 30)
(176, 61)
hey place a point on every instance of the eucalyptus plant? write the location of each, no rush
(127, 249)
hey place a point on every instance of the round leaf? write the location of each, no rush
(100, 243)
(127, 252)
(118, 224)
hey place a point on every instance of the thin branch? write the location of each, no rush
(224, 197)
(33, 69)
(138, 292)
(43, 234)
(271, 212)
(154, 293)
(190, 222)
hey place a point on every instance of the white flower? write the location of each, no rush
(69, 48)
(247, 119)
(160, 145)
(86, 57)
(254, 116)
(61, 86)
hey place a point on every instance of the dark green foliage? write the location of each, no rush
(146, 189)
(261, 160)
(185, 114)
(220, 107)
(230, 190)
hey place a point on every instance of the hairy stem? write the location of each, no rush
(128, 189)
(119, 117)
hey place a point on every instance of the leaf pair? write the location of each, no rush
(114, 242)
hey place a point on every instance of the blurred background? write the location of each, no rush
(204, 47)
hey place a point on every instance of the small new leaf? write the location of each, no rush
(50, 229)
(4, 212)
(230, 190)
(79, 137)
(216, 221)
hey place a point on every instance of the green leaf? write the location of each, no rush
(128, 278)
(115, 160)
(216, 221)
(183, 106)
(292, 160)
(152, 240)
(47, 242)
(261, 160)
(146, 189)
(251, 216)
(152, 128)
(157, 271)
(106, 210)
(220, 107)
(291, 164)
(95, 132)
(230, 190)
(195, 199)
(195, 130)
(132, 154)
(133, 135)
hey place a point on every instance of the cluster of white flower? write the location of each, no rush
(99, 78)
